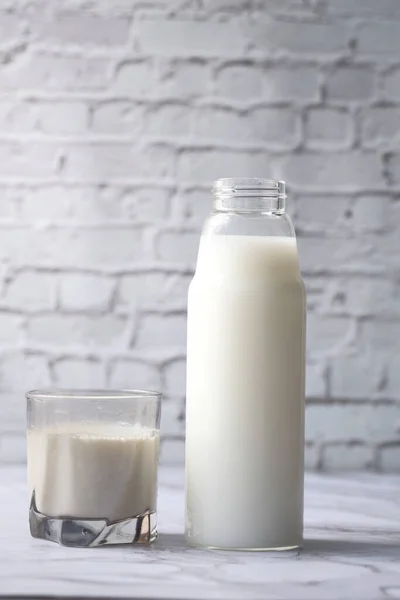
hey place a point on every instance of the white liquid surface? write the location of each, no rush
(245, 394)
(100, 470)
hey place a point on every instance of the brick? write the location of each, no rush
(152, 291)
(380, 127)
(365, 8)
(391, 85)
(82, 28)
(175, 379)
(316, 382)
(225, 7)
(327, 128)
(111, 247)
(171, 418)
(392, 389)
(311, 457)
(120, 7)
(83, 203)
(16, 243)
(44, 71)
(192, 206)
(328, 254)
(277, 128)
(86, 203)
(183, 79)
(84, 292)
(12, 449)
(135, 78)
(360, 255)
(365, 297)
(386, 253)
(172, 451)
(190, 38)
(61, 118)
(221, 125)
(317, 287)
(45, 204)
(79, 373)
(239, 81)
(105, 332)
(92, 204)
(344, 172)
(299, 38)
(204, 166)
(17, 117)
(358, 377)
(146, 204)
(10, 329)
(275, 7)
(10, 202)
(349, 457)
(21, 371)
(393, 168)
(376, 39)
(11, 28)
(287, 84)
(30, 291)
(389, 458)
(317, 213)
(130, 374)
(177, 247)
(371, 424)
(117, 117)
(379, 335)
(12, 411)
(327, 335)
(8, 205)
(380, 256)
(323, 294)
(115, 161)
(371, 213)
(159, 9)
(348, 84)
(95, 204)
(170, 120)
(160, 332)
(29, 160)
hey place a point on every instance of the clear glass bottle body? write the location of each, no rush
(246, 375)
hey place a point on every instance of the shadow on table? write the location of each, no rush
(171, 541)
(312, 547)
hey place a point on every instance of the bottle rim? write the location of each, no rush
(256, 187)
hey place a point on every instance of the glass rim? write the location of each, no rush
(92, 394)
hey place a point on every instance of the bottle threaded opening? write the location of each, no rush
(249, 194)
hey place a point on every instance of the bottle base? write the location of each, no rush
(89, 533)
(292, 550)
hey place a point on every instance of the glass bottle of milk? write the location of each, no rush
(246, 374)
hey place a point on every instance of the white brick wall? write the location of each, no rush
(114, 119)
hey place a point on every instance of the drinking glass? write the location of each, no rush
(92, 465)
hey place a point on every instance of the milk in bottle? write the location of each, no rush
(245, 374)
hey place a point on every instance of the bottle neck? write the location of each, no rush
(249, 195)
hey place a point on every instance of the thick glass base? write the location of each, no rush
(89, 533)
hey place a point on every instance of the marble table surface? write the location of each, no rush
(352, 550)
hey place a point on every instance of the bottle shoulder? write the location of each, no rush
(250, 224)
